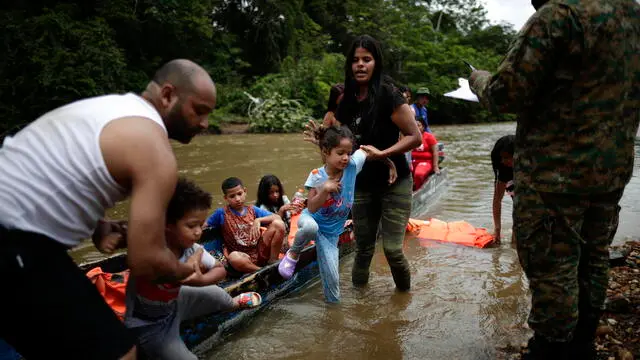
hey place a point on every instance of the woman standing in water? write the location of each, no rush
(502, 164)
(376, 112)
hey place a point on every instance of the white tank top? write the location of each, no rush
(53, 178)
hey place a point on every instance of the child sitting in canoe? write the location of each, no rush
(424, 158)
(331, 192)
(271, 197)
(246, 245)
(154, 311)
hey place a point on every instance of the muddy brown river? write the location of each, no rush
(465, 302)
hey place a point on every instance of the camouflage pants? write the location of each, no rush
(563, 245)
(388, 209)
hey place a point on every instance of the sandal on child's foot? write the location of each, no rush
(287, 266)
(248, 300)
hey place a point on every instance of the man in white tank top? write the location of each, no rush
(59, 175)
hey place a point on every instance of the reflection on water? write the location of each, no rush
(464, 302)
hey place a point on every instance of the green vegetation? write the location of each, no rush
(288, 51)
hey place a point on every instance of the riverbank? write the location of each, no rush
(619, 332)
(233, 128)
(618, 336)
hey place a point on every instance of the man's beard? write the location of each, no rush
(177, 125)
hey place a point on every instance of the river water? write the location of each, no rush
(464, 303)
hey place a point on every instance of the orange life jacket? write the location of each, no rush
(112, 287)
(459, 232)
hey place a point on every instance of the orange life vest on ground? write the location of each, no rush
(459, 232)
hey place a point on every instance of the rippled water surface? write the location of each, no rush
(464, 303)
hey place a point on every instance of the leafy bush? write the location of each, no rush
(278, 115)
(306, 80)
(231, 100)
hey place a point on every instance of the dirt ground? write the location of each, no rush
(619, 331)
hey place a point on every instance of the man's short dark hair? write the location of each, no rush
(179, 72)
(230, 183)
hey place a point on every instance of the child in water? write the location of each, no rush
(331, 192)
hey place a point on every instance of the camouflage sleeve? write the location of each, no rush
(549, 34)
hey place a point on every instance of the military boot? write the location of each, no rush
(540, 348)
(583, 344)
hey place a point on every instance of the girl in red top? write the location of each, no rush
(424, 158)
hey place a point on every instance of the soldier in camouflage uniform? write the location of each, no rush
(573, 78)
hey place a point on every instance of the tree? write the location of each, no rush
(262, 28)
(59, 51)
(469, 15)
(52, 58)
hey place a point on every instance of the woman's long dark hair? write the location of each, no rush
(264, 187)
(349, 107)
